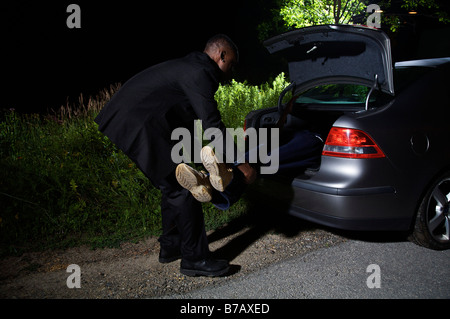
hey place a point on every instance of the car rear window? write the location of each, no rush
(335, 94)
(352, 97)
(340, 97)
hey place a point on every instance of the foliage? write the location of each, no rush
(425, 8)
(429, 8)
(416, 4)
(64, 183)
(274, 25)
(289, 14)
(236, 100)
(303, 13)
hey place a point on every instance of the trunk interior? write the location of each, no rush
(318, 118)
(318, 110)
(318, 121)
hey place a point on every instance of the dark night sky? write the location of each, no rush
(44, 63)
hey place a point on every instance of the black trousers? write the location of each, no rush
(182, 221)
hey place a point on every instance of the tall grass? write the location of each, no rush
(236, 100)
(63, 183)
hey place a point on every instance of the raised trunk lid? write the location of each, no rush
(336, 54)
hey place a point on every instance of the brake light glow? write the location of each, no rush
(351, 143)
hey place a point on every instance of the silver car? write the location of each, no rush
(385, 163)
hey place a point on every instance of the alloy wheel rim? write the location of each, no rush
(438, 220)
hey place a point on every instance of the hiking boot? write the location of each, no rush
(194, 181)
(219, 174)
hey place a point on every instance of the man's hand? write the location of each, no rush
(249, 172)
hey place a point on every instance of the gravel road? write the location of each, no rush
(133, 270)
(272, 255)
(404, 270)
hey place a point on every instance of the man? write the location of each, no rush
(140, 118)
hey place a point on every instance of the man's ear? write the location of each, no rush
(222, 56)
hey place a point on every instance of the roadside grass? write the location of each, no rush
(63, 183)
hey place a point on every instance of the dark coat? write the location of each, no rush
(141, 116)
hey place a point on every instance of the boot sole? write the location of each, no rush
(187, 178)
(216, 170)
(195, 273)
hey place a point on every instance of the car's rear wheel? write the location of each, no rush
(432, 225)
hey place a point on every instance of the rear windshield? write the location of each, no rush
(335, 94)
(345, 97)
(352, 97)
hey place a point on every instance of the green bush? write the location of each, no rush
(63, 183)
(237, 99)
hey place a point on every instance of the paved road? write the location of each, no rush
(405, 271)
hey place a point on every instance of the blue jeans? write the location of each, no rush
(299, 150)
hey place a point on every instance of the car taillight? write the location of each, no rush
(351, 143)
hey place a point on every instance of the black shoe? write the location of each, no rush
(168, 255)
(206, 267)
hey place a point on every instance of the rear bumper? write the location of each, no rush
(375, 208)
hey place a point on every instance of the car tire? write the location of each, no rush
(432, 224)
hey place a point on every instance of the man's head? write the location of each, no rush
(223, 51)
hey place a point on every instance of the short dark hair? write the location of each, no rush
(222, 40)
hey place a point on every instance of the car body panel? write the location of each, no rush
(424, 63)
(336, 53)
(362, 212)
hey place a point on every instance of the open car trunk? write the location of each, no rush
(334, 70)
